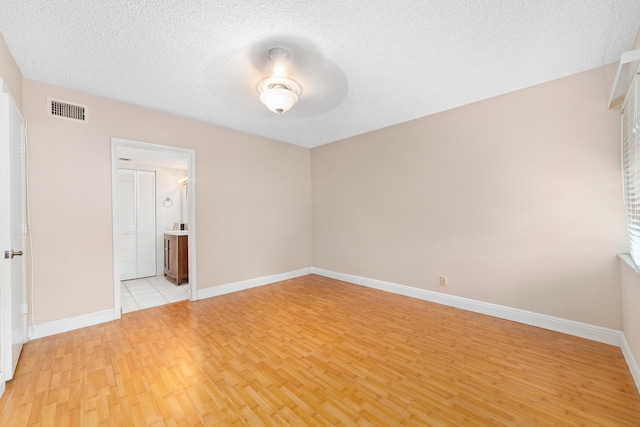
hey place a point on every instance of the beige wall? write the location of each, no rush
(253, 200)
(516, 199)
(10, 73)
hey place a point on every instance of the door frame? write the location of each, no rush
(191, 193)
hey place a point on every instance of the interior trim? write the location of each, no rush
(570, 327)
(228, 288)
(631, 361)
(191, 173)
(578, 329)
(71, 323)
(582, 330)
(557, 324)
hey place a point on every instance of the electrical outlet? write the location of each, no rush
(443, 280)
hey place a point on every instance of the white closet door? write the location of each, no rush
(127, 223)
(137, 223)
(146, 223)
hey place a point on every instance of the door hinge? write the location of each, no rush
(25, 308)
(23, 148)
(23, 228)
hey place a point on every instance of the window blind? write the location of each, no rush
(631, 165)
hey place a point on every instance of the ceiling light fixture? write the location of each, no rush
(279, 93)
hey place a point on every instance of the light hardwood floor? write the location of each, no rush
(316, 351)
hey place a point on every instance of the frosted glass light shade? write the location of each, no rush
(278, 99)
(279, 93)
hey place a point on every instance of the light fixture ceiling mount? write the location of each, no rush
(279, 93)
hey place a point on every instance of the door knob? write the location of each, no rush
(11, 254)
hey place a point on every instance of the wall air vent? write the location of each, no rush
(67, 110)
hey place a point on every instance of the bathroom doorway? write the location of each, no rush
(153, 196)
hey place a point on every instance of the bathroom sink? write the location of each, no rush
(177, 232)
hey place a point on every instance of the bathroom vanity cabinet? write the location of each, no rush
(176, 256)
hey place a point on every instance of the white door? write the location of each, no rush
(127, 223)
(146, 223)
(137, 223)
(13, 237)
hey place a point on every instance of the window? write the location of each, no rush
(631, 165)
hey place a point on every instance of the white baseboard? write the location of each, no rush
(64, 325)
(251, 283)
(631, 362)
(570, 327)
(583, 330)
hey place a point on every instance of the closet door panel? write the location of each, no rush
(146, 223)
(127, 223)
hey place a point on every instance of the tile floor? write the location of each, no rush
(150, 292)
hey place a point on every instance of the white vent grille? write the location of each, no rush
(67, 110)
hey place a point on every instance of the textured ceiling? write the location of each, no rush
(362, 65)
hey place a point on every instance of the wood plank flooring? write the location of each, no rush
(316, 351)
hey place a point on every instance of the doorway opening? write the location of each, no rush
(153, 196)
